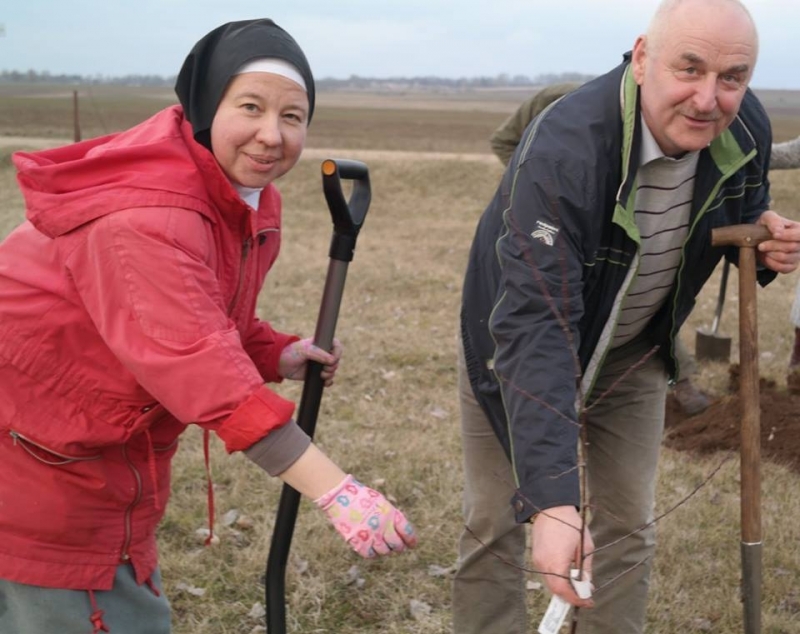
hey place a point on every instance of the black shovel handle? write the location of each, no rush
(348, 217)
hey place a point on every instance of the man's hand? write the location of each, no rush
(556, 548)
(782, 253)
(295, 357)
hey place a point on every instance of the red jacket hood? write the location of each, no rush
(69, 186)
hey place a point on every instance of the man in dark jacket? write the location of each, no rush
(582, 270)
(504, 141)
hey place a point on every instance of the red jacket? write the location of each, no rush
(127, 310)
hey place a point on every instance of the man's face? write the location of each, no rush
(694, 75)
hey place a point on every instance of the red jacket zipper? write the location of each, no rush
(124, 556)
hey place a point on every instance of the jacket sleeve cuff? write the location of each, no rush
(764, 275)
(525, 507)
(278, 451)
(261, 413)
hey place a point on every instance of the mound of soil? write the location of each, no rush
(717, 428)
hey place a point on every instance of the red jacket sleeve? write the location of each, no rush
(145, 279)
(264, 345)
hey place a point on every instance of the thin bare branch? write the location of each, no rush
(622, 377)
(511, 563)
(671, 509)
(541, 402)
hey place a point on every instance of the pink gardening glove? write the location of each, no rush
(366, 520)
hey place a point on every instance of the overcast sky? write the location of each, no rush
(370, 38)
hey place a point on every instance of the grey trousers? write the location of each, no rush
(128, 608)
(624, 431)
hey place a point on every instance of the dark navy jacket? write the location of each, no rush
(554, 254)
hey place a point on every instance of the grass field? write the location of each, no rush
(392, 417)
(410, 121)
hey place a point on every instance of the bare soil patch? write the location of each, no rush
(717, 428)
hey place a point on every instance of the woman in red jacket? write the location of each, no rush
(127, 311)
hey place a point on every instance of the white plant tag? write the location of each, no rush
(582, 588)
(558, 609)
(553, 619)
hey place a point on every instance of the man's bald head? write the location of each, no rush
(670, 10)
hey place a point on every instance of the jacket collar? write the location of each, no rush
(727, 153)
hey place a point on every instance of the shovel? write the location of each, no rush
(709, 345)
(347, 216)
(747, 237)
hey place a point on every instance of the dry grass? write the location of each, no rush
(12, 210)
(392, 418)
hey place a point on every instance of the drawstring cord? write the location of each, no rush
(97, 615)
(152, 586)
(210, 488)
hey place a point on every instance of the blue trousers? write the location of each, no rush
(127, 608)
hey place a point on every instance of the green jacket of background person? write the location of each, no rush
(504, 140)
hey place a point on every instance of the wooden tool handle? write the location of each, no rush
(747, 237)
(739, 235)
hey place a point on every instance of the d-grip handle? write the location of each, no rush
(347, 215)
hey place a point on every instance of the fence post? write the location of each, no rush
(76, 126)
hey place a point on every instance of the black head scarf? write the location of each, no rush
(217, 56)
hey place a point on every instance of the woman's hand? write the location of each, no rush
(366, 520)
(295, 357)
(362, 516)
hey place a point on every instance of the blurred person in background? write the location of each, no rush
(793, 375)
(582, 270)
(127, 312)
(786, 155)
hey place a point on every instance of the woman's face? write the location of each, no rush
(260, 128)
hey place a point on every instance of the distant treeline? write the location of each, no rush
(354, 82)
(461, 83)
(44, 77)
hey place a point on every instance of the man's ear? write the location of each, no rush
(639, 58)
